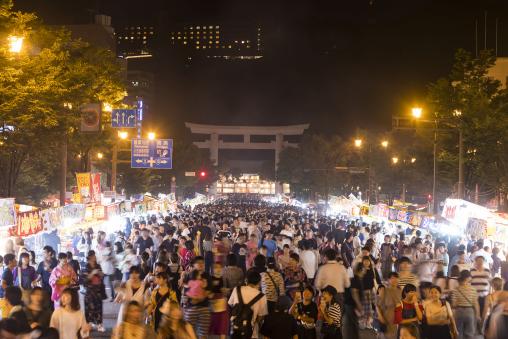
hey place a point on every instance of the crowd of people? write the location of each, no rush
(249, 269)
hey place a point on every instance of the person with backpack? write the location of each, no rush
(249, 306)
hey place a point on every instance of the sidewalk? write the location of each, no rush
(110, 316)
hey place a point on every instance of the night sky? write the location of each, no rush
(339, 65)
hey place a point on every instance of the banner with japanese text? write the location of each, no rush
(7, 212)
(29, 223)
(95, 179)
(84, 187)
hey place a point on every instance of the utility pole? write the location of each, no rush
(434, 171)
(114, 163)
(63, 170)
(460, 188)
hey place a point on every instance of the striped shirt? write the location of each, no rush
(409, 279)
(334, 311)
(464, 296)
(480, 280)
(267, 286)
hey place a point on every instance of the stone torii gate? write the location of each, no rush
(214, 143)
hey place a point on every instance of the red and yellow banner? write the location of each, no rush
(84, 187)
(29, 223)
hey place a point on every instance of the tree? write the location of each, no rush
(472, 101)
(41, 91)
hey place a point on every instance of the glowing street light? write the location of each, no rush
(457, 113)
(358, 143)
(100, 155)
(106, 107)
(151, 136)
(416, 112)
(15, 43)
(413, 160)
(395, 160)
(123, 135)
(384, 143)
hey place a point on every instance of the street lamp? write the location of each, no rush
(123, 135)
(413, 160)
(15, 43)
(384, 143)
(416, 112)
(395, 160)
(100, 155)
(358, 143)
(151, 136)
(106, 107)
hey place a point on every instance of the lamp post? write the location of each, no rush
(358, 142)
(122, 135)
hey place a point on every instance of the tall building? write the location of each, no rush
(99, 34)
(229, 42)
(140, 84)
(135, 41)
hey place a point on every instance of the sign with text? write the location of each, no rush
(95, 180)
(29, 223)
(52, 218)
(84, 187)
(156, 154)
(123, 118)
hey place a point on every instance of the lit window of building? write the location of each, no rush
(185, 42)
(197, 42)
(197, 27)
(210, 27)
(216, 26)
(192, 28)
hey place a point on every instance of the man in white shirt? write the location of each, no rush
(249, 292)
(332, 273)
(309, 260)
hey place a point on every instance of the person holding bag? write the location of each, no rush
(272, 284)
(25, 277)
(465, 306)
(438, 317)
(95, 291)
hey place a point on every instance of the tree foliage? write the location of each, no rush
(41, 91)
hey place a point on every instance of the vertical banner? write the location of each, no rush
(96, 186)
(29, 223)
(84, 187)
(7, 212)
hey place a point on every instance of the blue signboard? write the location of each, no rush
(123, 118)
(156, 154)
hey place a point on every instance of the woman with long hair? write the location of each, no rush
(37, 314)
(24, 276)
(134, 289)
(174, 327)
(187, 254)
(68, 319)
(368, 279)
(438, 317)
(132, 326)
(160, 295)
(95, 291)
